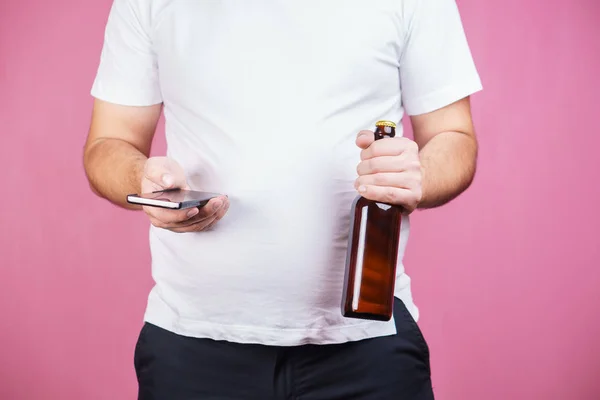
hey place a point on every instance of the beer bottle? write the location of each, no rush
(372, 253)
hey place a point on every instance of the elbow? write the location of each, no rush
(88, 169)
(94, 190)
(470, 166)
(474, 160)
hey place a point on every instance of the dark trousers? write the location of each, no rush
(173, 367)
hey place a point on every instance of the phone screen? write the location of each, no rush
(178, 195)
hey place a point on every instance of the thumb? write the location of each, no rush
(167, 181)
(364, 139)
(165, 173)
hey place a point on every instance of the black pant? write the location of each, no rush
(173, 367)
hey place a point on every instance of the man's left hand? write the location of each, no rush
(390, 171)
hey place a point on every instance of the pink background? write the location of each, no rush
(507, 276)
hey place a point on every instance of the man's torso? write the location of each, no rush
(263, 101)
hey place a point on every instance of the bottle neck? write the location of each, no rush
(382, 132)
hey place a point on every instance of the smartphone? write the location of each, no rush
(174, 199)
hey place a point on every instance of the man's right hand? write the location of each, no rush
(162, 173)
(116, 162)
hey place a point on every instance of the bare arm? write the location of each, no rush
(117, 147)
(448, 152)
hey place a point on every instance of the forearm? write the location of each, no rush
(114, 169)
(448, 163)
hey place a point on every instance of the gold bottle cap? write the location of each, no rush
(386, 123)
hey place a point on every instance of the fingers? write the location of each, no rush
(166, 218)
(203, 223)
(391, 195)
(393, 179)
(200, 226)
(221, 208)
(189, 220)
(387, 147)
(403, 162)
(215, 209)
(390, 170)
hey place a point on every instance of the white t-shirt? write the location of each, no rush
(263, 101)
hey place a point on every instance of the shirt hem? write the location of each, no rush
(442, 98)
(285, 337)
(124, 99)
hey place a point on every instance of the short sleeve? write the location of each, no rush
(128, 70)
(436, 65)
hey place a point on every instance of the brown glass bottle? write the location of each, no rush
(372, 256)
